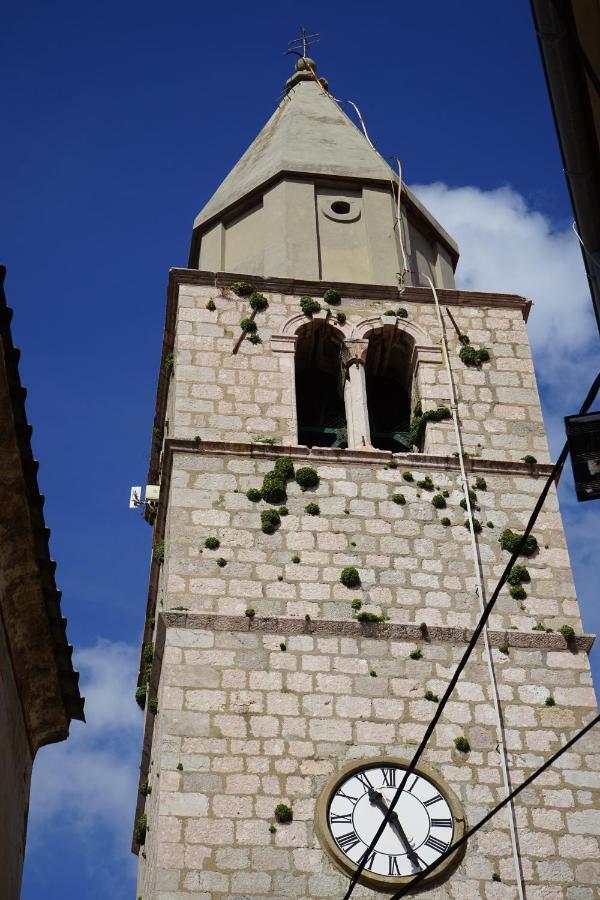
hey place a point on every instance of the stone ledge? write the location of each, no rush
(329, 454)
(385, 631)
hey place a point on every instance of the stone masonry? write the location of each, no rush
(257, 711)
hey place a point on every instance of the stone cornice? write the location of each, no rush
(386, 631)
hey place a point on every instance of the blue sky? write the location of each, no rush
(119, 122)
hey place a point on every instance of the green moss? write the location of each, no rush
(356, 603)
(550, 701)
(340, 318)
(369, 617)
(471, 356)
(307, 477)
(480, 484)
(269, 520)
(438, 501)
(496, 877)
(272, 829)
(402, 313)
(445, 521)
(284, 468)
(145, 789)
(258, 302)
(400, 499)
(567, 632)
(373, 673)
(426, 484)
(538, 627)
(221, 562)
(140, 695)
(529, 459)
(283, 813)
(169, 361)
(139, 830)
(179, 767)
(349, 577)
(283, 511)
(242, 288)
(211, 305)
(503, 648)
(250, 613)
(419, 423)
(309, 306)
(283, 647)
(153, 705)
(159, 552)
(518, 575)
(295, 559)
(476, 525)
(462, 744)
(332, 296)
(148, 652)
(509, 540)
(254, 495)
(212, 543)
(517, 592)
(312, 509)
(255, 338)
(429, 695)
(248, 326)
(392, 464)
(416, 654)
(408, 476)
(273, 488)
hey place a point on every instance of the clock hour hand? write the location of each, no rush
(377, 798)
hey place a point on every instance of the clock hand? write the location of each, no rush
(377, 798)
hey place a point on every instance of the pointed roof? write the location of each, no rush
(309, 134)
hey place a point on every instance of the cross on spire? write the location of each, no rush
(304, 41)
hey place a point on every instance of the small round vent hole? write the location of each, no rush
(340, 207)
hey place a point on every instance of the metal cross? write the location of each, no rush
(304, 41)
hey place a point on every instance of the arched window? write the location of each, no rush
(389, 375)
(319, 386)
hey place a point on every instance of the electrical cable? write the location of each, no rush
(480, 593)
(469, 834)
(556, 469)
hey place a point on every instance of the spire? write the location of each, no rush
(307, 134)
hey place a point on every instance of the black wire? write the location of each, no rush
(471, 645)
(508, 799)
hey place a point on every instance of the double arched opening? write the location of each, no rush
(355, 391)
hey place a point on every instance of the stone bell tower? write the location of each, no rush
(313, 583)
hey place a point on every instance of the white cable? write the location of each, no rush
(478, 578)
(402, 274)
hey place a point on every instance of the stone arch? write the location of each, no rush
(319, 384)
(293, 325)
(395, 351)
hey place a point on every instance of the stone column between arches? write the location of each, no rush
(353, 355)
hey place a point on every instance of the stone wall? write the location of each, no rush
(223, 395)
(253, 725)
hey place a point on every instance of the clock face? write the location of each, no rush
(424, 824)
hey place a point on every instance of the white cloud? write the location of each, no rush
(87, 785)
(508, 247)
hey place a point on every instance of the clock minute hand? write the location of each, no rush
(379, 800)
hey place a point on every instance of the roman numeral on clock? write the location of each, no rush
(389, 777)
(364, 781)
(343, 819)
(393, 867)
(441, 823)
(371, 860)
(432, 800)
(436, 844)
(413, 785)
(348, 841)
(353, 800)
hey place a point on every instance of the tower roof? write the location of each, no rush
(308, 134)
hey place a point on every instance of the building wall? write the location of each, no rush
(15, 763)
(243, 724)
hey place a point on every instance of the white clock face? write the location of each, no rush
(416, 836)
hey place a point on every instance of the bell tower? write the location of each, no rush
(344, 465)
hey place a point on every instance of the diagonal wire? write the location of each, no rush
(463, 840)
(556, 469)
